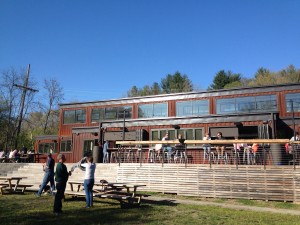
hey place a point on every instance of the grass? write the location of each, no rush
(23, 209)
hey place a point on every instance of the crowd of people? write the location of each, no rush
(16, 156)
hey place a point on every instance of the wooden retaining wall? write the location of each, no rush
(280, 183)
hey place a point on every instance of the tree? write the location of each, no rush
(170, 84)
(225, 80)
(176, 83)
(11, 104)
(54, 96)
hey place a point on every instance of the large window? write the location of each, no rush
(292, 100)
(66, 146)
(192, 108)
(112, 113)
(74, 116)
(188, 134)
(247, 104)
(47, 147)
(153, 110)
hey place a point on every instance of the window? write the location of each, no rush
(292, 100)
(153, 110)
(189, 134)
(98, 114)
(47, 148)
(66, 146)
(246, 104)
(112, 113)
(192, 108)
(74, 116)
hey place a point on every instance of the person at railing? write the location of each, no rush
(167, 147)
(254, 148)
(206, 147)
(237, 151)
(105, 152)
(296, 146)
(220, 148)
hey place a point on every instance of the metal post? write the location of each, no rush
(293, 145)
(124, 124)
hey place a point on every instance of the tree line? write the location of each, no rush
(177, 82)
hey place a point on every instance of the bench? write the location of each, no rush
(2, 186)
(22, 187)
(125, 199)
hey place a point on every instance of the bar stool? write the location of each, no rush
(130, 155)
(151, 155)
(113, 157)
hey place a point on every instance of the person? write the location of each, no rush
(167, 147)
(61, 178)
(14, 155)
(105, 153)
(23, 150)
(295, 139)
(48, 167)
(237, 151)
(89, 180)
(220, 147)
(206, 147)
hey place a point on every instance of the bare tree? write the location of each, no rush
(54, 96)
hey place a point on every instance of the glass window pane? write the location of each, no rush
(145, 111)
(184, 108)
(69, 116)
(292, 99)
(225, 106)
(189, 134)
(160, 110)
(172, 135)
(128, 112)
(111, 113)
(155, 135)
(200, 107)
(266, 103)
(198, 134)
(97, 114)
(245, 104)
(80, 116)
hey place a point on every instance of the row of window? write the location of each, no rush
(45, 148)
(187, 108)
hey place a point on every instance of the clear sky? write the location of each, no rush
(99, 49)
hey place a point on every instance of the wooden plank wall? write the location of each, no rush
(278, 183)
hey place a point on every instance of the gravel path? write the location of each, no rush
(224, 205)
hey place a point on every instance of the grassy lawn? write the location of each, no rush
(24, 209)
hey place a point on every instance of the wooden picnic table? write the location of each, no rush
(13, 183)
(111, 191)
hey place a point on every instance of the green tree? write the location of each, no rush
(170, 84)
(225, 80)
(176, 83)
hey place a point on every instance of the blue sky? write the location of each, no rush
(99, 49)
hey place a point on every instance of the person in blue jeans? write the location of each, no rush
(48, 167)
(89, 180)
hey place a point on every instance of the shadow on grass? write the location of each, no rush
(27, 209)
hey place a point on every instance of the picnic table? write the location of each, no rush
(112, 191)
(13, 184)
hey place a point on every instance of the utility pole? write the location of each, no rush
(25, 89)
